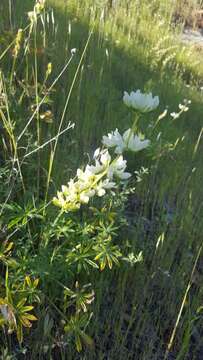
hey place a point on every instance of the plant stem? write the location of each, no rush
(170, 344)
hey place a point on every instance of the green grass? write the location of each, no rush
(135, 309)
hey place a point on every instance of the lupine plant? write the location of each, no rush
(101, 179)
(63, 243)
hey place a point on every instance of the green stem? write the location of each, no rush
(133, 128)
(37, 105)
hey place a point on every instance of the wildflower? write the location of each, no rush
(117, 169)
(73, 51)
(141, 102)
(183, 107)
(129, 141)
(94, 180)
(103, 186)
(114, 139)
(175, 115)
(134, 142)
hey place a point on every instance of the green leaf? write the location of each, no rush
(20, 333)
(87, 339)
(21, 303)
(27, 308)
(78, 343)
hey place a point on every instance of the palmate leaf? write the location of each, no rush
(75, 327)
(82, 256)
(81, 297)
(27, 308)
(26, 319)
(15, 310)
(25, 322)
(21, 303)
(30, 317)
(31, 284)
(17, 215)
(5, 251)
(107, 254)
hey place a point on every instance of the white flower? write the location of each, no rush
(175, 115)
(94, 180)
(114, 139)
(105, 157)
(129, 141)
(96, 153)
(85, 176)
(102, 159)
(133, 142)
(117, 169)
(141, 102)
(73, 51)
(107, 184)
(84, 198)
(103, 186)
(183, 107)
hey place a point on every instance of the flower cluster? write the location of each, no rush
(98, 178)
(183, 108)
(94, 180)
(141, 102)
(129, 141)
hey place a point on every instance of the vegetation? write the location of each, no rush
(110, 266)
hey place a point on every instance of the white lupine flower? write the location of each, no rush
(96, 153)
(117, 168)
(133, 142)
(105, 157)
(102, 156)
(114, 139)
(141, 102)
(103, 186)
(84, 198)
(107, 184)
(101, 191)
(94, 180)
(95, 169)
(129, 141)
(85, 176)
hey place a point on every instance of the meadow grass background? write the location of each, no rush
(133, 45)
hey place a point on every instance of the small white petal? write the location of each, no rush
(101, 192)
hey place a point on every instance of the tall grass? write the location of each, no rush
(152, 309)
